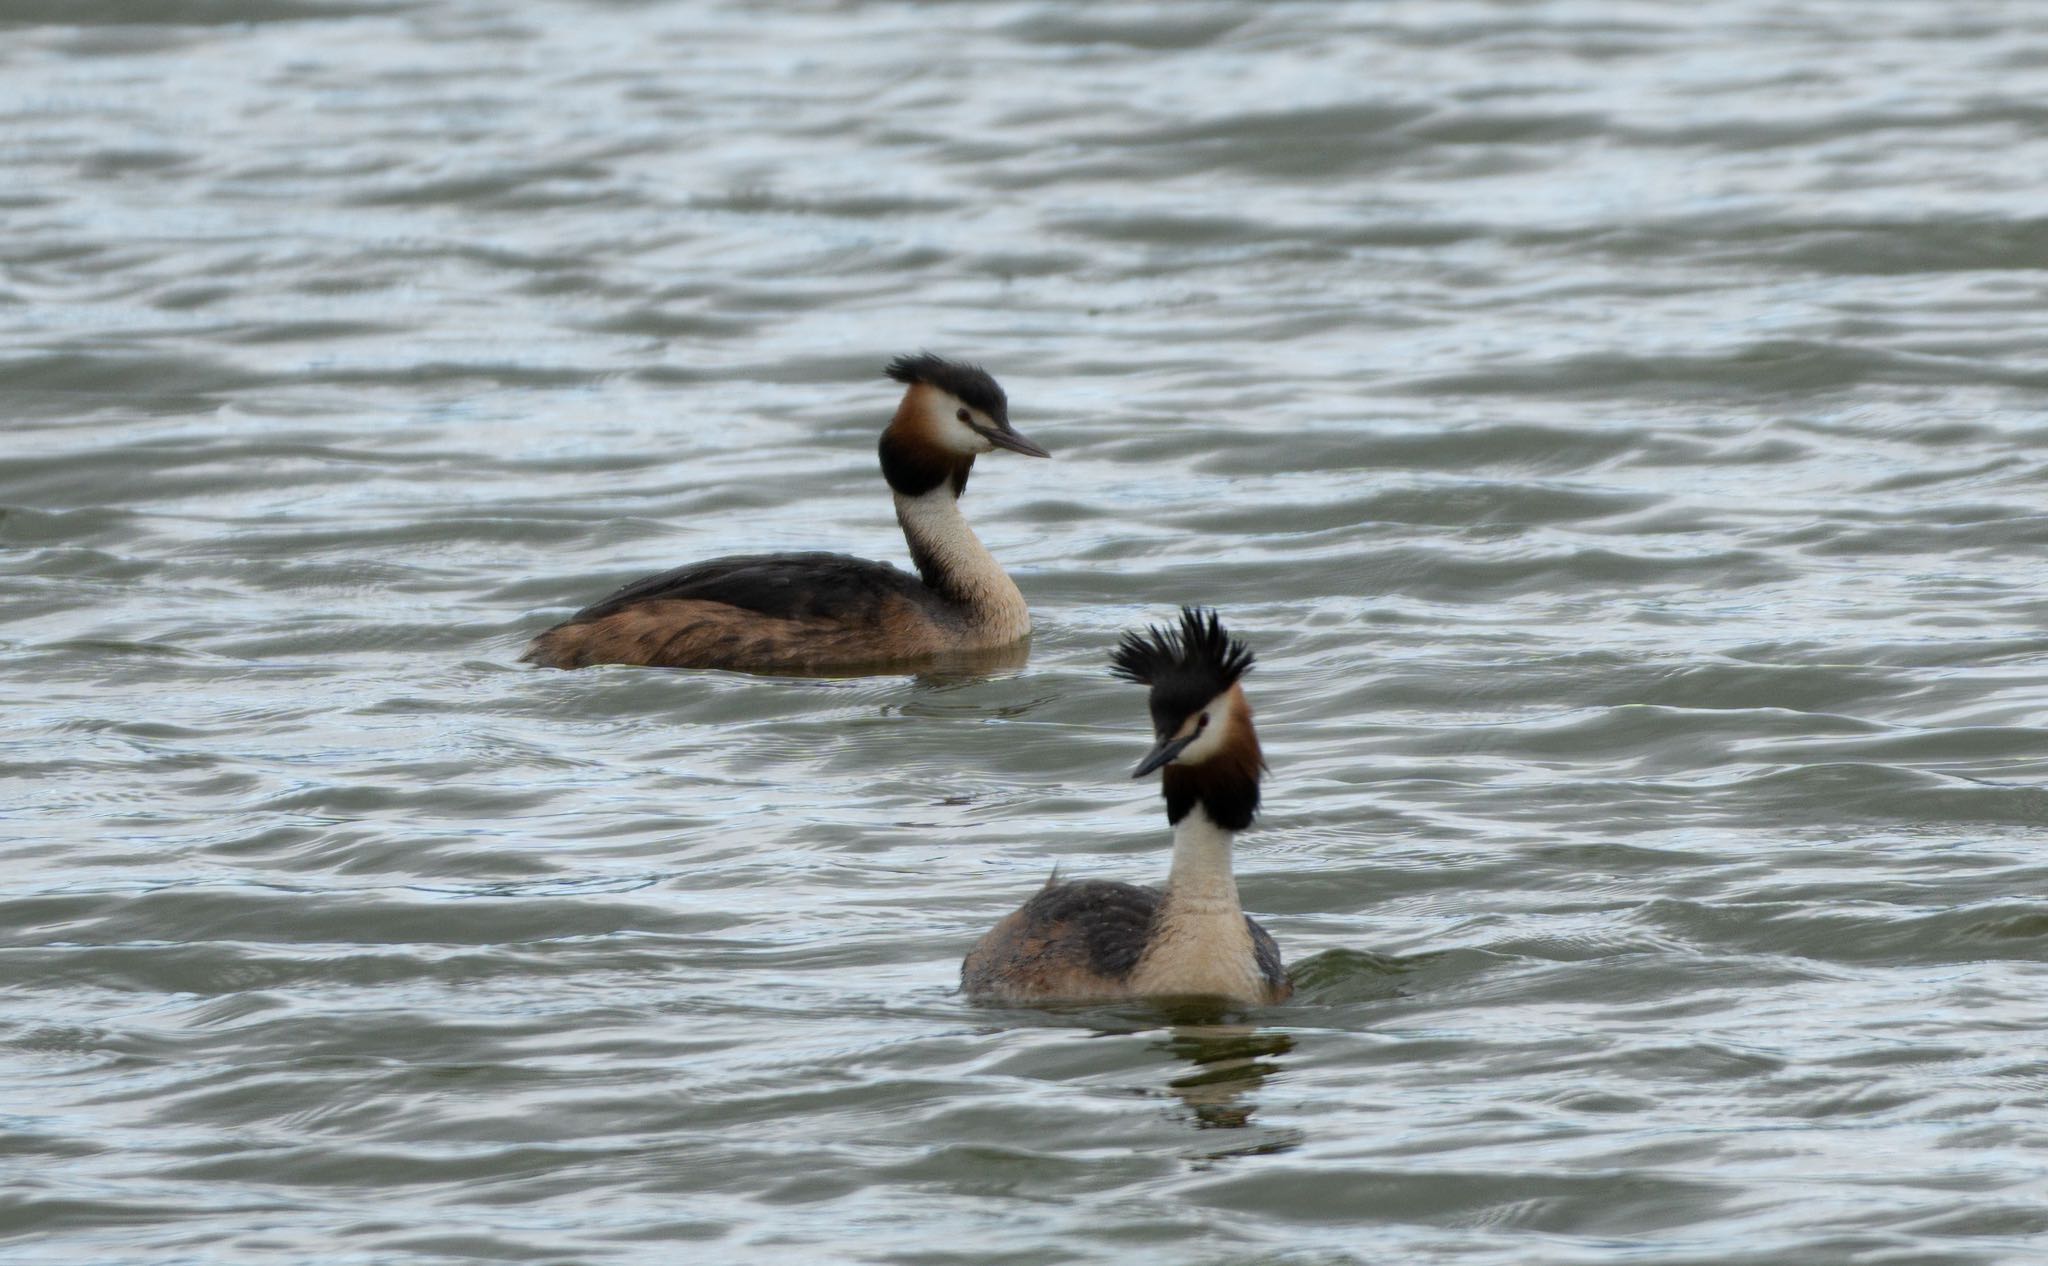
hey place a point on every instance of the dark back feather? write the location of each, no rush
(1111, 921)
(782, 586)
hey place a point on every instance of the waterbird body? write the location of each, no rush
(1097, 940)
(829, 612)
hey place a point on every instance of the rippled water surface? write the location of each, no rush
(1618, 427)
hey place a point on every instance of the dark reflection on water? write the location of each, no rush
(1349, 975)
(957, 668)
(1231, 1063)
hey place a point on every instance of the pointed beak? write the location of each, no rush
(1168, 749)
(1003, 437)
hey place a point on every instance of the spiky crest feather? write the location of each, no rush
(1187, 668)
(1199, 648)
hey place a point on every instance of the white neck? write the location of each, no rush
(1201, 943)
(1201, 881)
(941, 542)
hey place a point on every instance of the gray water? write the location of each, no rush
(1617, 427)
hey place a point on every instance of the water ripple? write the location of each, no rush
(1618, 430)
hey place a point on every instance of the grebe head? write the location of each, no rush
(950, 414)
(1199, 712)
(956, 407)
(1206, 746)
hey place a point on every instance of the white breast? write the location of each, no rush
(1202, 953)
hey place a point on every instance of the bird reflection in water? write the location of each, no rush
(967, 667)
(1231, 1062)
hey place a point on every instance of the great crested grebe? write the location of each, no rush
(828, 612)
(1093, 939)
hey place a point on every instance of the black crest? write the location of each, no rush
(1186, 666)
(971, 384)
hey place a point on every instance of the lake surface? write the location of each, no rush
(1620, 429)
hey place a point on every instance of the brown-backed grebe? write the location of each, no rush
(784, 613)
(1093, 939)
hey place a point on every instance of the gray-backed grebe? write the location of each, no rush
(828, 612)
(1093, 939)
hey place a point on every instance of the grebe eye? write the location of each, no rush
(1202, 724)
(962, 415)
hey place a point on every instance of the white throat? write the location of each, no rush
(1201, 880)
(941, 541)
